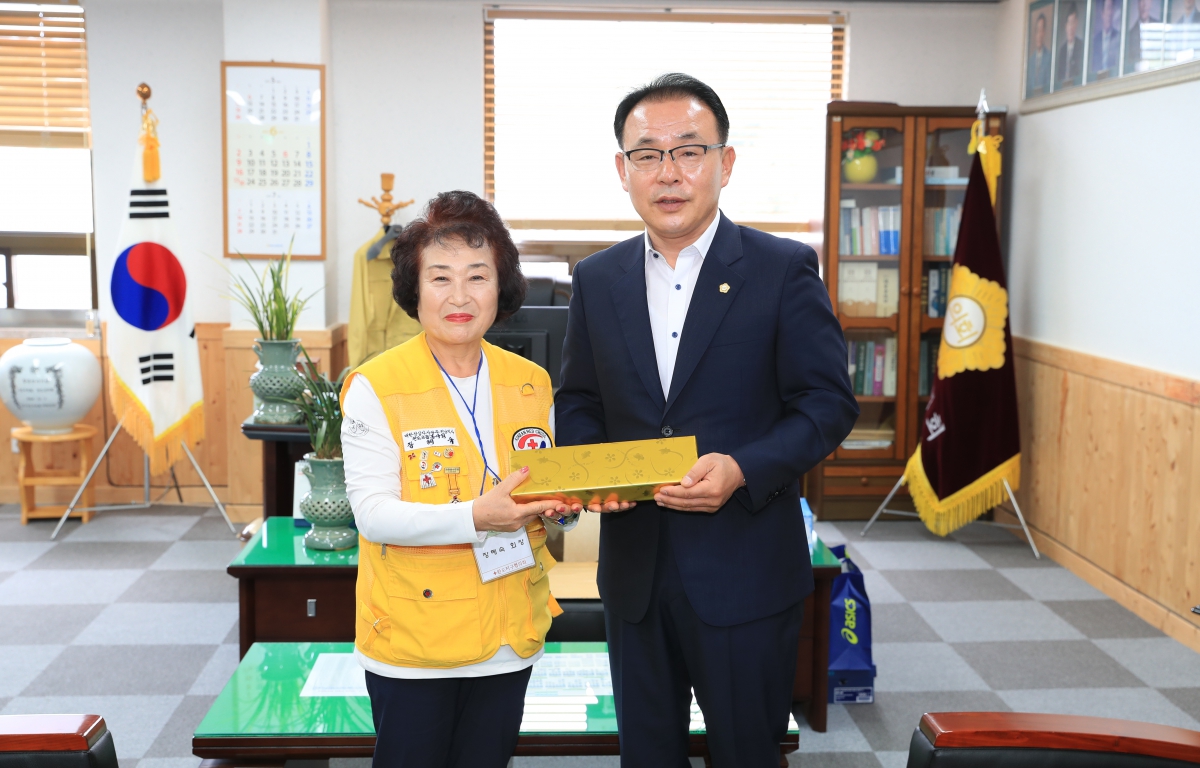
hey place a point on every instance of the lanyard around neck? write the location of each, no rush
(474, 422)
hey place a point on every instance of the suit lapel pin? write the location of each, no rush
(723, 288)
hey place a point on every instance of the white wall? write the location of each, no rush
(176, 47)
(297, 32)
(408, 80)
(1104, 255)
(405, 83)
(922, 54)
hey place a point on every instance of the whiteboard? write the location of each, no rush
(273, 142)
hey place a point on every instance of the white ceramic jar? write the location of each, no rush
(50, 383)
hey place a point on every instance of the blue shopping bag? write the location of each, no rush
(851, 669)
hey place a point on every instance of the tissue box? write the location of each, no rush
(588, 474)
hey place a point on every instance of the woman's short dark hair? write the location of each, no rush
(466, 218)
(674, 85)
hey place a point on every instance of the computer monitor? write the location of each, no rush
(536, 334)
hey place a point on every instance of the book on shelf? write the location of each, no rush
(877, 370)
(890, 366)
(887, 294)
(927, 364)
(943, 174)
(867, 290)
(941, 230)
(938, 291)
(860, 365)
(872, 366)
(870, 231)
(876, 437)
(858, 288)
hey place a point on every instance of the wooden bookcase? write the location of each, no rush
(907, 191)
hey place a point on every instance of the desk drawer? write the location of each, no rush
(301, 610)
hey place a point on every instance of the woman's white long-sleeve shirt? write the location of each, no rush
(372, 461)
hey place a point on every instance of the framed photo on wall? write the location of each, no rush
(1039, 53)
(273, 169)
(1069, 39)
(1104, 49)
(1185, 12)
(1144, 36)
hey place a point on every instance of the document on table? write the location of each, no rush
(335, 674)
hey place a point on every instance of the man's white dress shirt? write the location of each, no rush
(668, 296)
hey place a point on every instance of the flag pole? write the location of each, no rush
(145, 503)
(981, 110)
(204, 479)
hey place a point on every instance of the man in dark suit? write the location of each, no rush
(1133, 38)
(1037, 72)
(701, 327)
(1106, 42)
(1068, 67)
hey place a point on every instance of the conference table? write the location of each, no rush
(287, 593)
(308, 701)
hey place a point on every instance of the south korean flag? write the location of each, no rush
(154, 360)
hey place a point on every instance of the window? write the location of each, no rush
(553, 80)
(45, 150)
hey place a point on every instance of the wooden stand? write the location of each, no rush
(29, 477)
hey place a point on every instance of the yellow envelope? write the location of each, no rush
(588, 474)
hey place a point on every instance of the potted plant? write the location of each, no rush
(326, 504)
(277, 383)
(858, 156)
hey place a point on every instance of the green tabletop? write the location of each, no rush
(822, 557)
(279, 543)
(275, 692)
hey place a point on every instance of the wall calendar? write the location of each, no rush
(273, 142)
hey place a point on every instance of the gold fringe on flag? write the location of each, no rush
(163, 449)
(943, 516)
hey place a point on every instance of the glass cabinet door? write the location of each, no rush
(869, 222)
(945, 167)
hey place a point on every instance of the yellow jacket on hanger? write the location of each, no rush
(376, 322)
(427, 606)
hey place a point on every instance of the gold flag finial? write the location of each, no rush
(151, 170)
(384, 205)
(988, 147)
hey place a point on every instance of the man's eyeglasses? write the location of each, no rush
(686, 156)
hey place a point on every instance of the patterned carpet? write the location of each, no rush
(133, 617)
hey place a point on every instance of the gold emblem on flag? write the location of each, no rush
(973, 333)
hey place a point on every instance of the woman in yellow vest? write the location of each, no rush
(453, 603)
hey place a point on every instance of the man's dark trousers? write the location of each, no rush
(761, 376)
(742, 676)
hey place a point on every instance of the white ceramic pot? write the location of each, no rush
(50, 384)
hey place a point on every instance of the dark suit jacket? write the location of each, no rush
(1069, 69)
(760, 375)
(1038, 74)
(1101, 62)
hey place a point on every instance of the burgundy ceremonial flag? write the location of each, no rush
(970, 443)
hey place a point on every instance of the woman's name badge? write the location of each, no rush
(502, 554)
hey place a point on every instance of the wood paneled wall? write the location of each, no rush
(232, 463)
(1110, 478)
(328, 350)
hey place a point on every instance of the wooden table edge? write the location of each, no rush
(319, 747)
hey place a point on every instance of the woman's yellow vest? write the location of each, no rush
(426, 606)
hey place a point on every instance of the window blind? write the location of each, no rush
(43, 75)
(553, 80)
